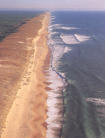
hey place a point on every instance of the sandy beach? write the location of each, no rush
(25, 102)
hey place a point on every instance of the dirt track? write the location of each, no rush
(23, 58)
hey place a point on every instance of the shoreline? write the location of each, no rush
(30, 121)
(55, 94)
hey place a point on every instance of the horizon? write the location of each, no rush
(84, 5)
(33, 9)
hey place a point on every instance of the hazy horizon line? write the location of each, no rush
(46, 9)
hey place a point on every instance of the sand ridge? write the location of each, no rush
(26, 118)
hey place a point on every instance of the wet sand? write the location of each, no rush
(24, 58)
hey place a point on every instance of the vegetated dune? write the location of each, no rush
(23, 57)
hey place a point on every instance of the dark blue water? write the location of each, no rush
(84, 69)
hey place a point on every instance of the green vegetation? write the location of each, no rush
(10, 21)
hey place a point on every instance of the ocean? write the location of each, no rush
(78, 39)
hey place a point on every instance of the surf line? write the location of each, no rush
(55, 99)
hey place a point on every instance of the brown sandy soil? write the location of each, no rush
(23, 57)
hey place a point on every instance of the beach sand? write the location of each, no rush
(24, 57)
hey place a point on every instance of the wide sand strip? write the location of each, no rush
(27, 115)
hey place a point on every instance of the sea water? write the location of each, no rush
(78, 40)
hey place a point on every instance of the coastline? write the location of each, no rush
(30, 101)
(56, 87)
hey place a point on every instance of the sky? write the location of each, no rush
(54, 4)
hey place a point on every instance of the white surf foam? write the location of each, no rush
(74, 39)
(61, 26)
(97, 101)
(54, 101)
(58, 51)
(56, 26)
(68, 28)
(82, 38)
(68, 39)
(53, 33)
(67, 49)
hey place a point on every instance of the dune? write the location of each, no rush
(24, 58)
